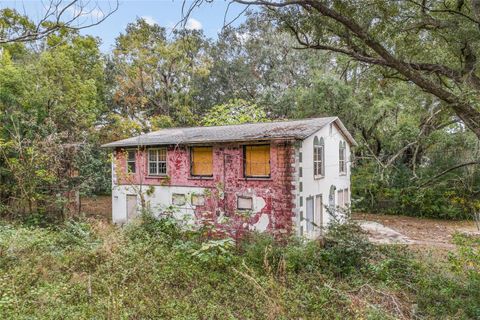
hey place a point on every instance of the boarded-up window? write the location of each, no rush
(244, 203)
(178, 199)
(257, 161)
(157, 161)
(201, 161)
(198, 200)
(131, 166)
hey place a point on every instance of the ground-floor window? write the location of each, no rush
(343, 198)
(319, 212)
(244, 203)
(340, 198)
(310, 214)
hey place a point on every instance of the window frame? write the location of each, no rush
(191, 162)
(340, 198)
(239, 198)
(176, 196)
(342, 163)
(198, 200)
(310, 214)
(346, 197)
(128, 161)
(244, 147)
(157, 174)
(318, 144)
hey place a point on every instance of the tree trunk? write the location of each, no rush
(470, 116)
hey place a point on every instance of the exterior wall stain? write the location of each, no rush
(275, 194)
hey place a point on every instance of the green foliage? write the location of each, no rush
(165, 68)
(215, 251)
(397, 196)
(234, 112)
(153, 270)
(347, 248)
(50, 102)
(467, 258)
(59, 102)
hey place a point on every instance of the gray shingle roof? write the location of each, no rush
(297, 129)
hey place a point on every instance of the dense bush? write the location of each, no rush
(399, 194)
(153, 269)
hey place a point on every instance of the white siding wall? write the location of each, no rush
(311, 186)
(160, 198)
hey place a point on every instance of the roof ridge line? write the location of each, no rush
(241, 124)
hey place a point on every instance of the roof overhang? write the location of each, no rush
(345, 132)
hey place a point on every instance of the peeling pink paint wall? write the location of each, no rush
(276, 191)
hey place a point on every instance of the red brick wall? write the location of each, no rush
(228, 178)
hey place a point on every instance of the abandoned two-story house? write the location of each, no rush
(281, 175)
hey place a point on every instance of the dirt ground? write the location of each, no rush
(98, 207)
(420, 231)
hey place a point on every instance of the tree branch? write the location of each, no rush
(467, 112)
(470, 163)
(56, 18)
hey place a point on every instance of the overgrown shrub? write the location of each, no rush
(153, 269)
(347, 248)
(398, 193)
(466, 259)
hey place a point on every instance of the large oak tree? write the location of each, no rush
(431, 43)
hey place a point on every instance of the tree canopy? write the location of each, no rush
(417, 154)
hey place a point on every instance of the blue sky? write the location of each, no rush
(209, 17)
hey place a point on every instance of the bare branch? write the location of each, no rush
(414, 72)
(62, 15)
(470, 163)
(450, 11)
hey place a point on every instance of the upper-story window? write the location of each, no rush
(257, 161)
(342, 156)
(157, 161)
(131, 163)
(318, 157)
(201, 161)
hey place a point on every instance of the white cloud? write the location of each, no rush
(149, 20)
(193, 24)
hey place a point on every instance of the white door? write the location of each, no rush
(132, 211)
(319, 214)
